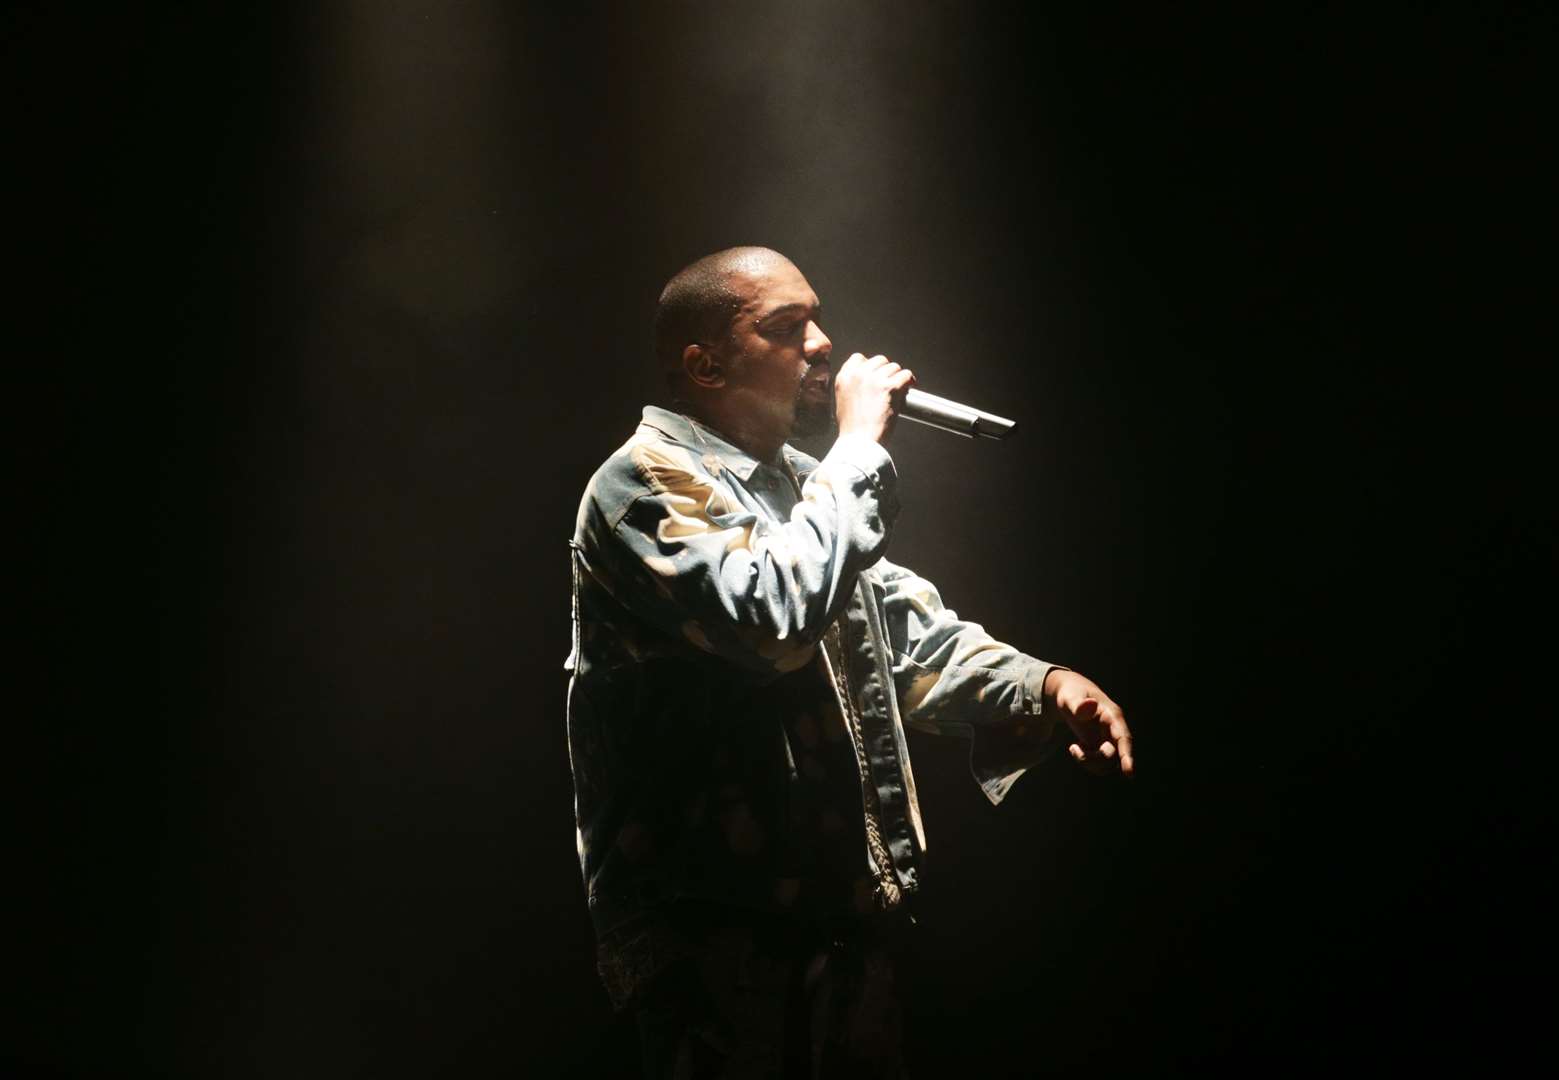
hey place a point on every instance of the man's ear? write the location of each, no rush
(703, 367)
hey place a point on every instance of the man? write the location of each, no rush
(744, 664)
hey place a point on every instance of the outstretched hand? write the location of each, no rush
(1101, 741)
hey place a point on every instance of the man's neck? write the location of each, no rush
(741, 432)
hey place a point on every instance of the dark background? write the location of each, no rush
(324, 315)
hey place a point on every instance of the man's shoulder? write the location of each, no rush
(651, 460)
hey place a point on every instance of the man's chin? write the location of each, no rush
(813, 418)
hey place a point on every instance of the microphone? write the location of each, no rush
(945, 415)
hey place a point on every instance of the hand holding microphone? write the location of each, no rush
(869, 395)
(878, 390)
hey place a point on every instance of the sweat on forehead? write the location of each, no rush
(752, 261)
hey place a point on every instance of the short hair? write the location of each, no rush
(698, 303)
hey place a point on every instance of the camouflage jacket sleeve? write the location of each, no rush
(676, 546)
(953, 678)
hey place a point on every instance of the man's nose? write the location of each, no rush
(816, 346)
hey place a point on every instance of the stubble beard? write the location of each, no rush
(814, 416)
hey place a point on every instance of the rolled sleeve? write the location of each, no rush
(953, 678)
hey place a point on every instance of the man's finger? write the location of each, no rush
(1084, 721)
(1123, 744)
(1120, 734)
(1077, 753)
(1107, 749)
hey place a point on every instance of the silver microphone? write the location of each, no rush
(945, 415)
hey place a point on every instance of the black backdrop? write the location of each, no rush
(325, 316)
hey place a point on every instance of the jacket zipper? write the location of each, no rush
(887, 891)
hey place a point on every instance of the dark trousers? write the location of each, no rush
(758, 996)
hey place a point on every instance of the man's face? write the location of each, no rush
(776, 353)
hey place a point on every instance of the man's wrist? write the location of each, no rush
(866, 456)
(1052, 685)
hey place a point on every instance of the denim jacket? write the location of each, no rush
(744, 665)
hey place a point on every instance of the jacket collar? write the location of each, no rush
(800, 464)
(700, 438)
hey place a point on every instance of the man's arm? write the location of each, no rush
(684, 557)
(954, 678)
(680, 554)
